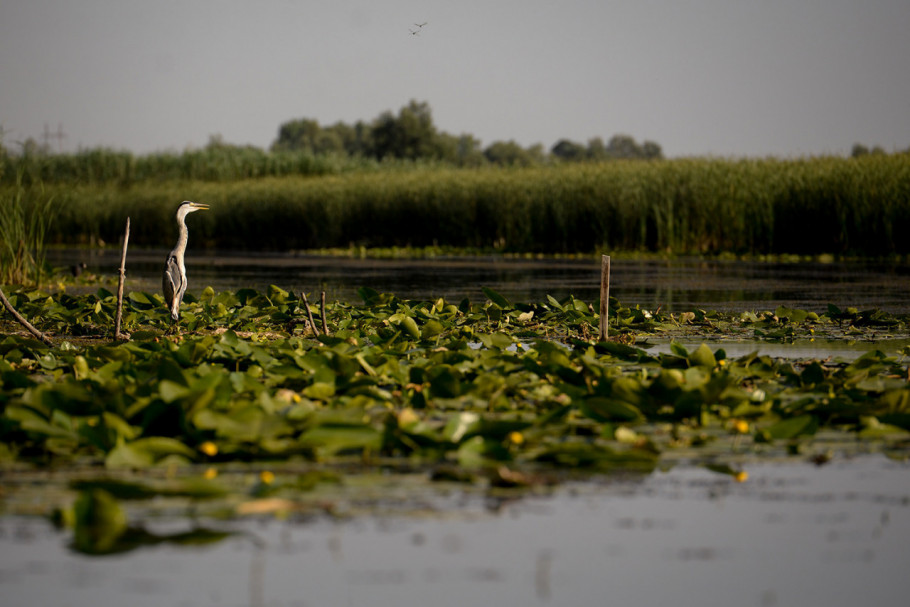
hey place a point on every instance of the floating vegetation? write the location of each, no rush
(494, 394)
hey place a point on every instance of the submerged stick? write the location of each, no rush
(604, 295)
(31, 329)
(325, 325)
(126, 239)
(309, 314)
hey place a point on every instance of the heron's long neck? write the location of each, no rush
(182, 238)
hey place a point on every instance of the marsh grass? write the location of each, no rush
(25, 217)
(855, 206)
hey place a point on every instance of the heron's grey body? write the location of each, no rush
(173, 283)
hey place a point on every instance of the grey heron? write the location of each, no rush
(174, 281)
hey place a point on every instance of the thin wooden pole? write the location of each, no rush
(21, 320)
(325, 324)
(309, 314)
(604, 296)
(119, 316)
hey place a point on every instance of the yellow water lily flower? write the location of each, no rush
(516, 438)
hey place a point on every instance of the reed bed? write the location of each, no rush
(215, 163)
(849, 206)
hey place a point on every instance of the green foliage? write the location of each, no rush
(823, 205)
(25, 217)
(473, 385)
(250, 415)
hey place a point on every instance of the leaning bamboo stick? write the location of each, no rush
(21, 320)
(126, 239)
(309, 314)
(325, 324)
(604, 296)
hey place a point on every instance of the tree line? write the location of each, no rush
(305, 147)
(411, 135)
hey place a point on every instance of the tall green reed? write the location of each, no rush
(25, 217)
(852, 206)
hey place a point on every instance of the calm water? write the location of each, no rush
(679, 284)
(791, 535)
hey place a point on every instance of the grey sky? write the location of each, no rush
(718, 77)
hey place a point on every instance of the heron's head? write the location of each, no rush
(188, 206)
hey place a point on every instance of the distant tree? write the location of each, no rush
(620, 146)
(409, 135)
(596, 149)
(623, 146)
(651, 151)
(353, 140)
(568, 150)
(509, 153)
(858, 150)
(296, 135)
(462, 150)
(30, 147)
(217, 142)
(861, 150)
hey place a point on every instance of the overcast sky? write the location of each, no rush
(700, 77)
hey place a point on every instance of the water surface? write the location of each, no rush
(674, 285)
(793, 534)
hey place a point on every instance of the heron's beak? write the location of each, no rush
(201, 206)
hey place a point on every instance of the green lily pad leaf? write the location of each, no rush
(609, 410)
(804, 425)
(678, 349)
(127, 456)
(790, 314)
(32, 421)
(873, 428)
(621, 351)
(431, 329)
(277, 294)
(497, 341)
(445, 381)
(121, 490)
(143, 335)
(496, 298)
(141, 300)
(331, 439)
(319, 391)
(368, 295)
(703, 357)
(409, 326)
(590, 455)
(470, 453)
(160, 446)
(552, 301)
(900, 420)
(145, 452)
(99, 522)
(460, 425)
(171, 391)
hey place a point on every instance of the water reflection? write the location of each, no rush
(674, 285)
(793, 534)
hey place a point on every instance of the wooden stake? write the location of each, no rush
(31, 329)
(604, 295)
(325, 325)
(126, 239)
(309, 314)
